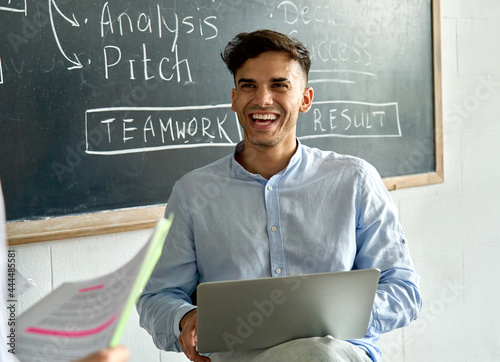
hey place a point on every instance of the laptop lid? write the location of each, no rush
(260, 313)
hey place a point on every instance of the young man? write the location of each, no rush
(274, 208)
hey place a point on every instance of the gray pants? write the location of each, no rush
(317, 349)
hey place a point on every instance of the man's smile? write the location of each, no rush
(263, 119)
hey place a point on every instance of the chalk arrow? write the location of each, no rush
(76, 62)
(73, 22)
(1, 74)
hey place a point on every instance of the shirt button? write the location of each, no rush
(278, 271)
(270, 188)
(273, 229)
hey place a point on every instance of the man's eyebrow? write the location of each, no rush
(273, 80)
(245, 80)
(279, 80)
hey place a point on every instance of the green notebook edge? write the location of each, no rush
(151, 258)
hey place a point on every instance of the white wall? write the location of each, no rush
(452, 228)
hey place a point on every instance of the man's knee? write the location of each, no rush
(304, 349)
(318, 349)
(321, 349)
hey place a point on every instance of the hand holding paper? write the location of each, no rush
(80, 318)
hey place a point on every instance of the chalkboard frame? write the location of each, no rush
(114, 221)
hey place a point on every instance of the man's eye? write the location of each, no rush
(279, 85)
(247, 86)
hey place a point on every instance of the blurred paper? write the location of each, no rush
(22, 284)
(80, 318)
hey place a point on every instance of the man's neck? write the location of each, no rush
(265, 161)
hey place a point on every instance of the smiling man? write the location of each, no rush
(274, 208)
(270, 92)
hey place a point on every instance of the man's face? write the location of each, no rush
(270, 92)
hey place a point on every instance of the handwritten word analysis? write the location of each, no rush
(159, 23)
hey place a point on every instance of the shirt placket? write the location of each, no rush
(276, 247)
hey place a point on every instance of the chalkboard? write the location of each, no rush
(105, 104)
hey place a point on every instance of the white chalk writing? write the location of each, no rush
(350, 119)
(1, 72)
(18, 6)
(136, 129)
(334, 49)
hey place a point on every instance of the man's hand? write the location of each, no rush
(116, 354)
(189, 337)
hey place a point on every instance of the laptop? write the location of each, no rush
(261, 313)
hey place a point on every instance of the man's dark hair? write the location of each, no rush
(245, 46)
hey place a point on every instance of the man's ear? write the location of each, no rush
(306, 100)
(233, 96)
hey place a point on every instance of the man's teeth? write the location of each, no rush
(264, 117)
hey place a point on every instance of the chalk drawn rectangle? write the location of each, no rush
(122, 130)
(350, 119)
(1, 72)
(17, 6)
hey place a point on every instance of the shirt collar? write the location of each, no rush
(240, 172)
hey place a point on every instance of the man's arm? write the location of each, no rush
(381, 244)
(166, 297)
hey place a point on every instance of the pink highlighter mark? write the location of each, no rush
(71, 334)
(89, 289)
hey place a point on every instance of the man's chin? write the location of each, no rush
(263, 143)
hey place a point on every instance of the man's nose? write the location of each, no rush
(263, 97)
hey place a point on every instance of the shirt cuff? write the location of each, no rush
(181, 312)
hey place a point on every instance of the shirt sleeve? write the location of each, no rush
(381, 244)
(166, 297)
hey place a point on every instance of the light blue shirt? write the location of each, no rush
(324, 212)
